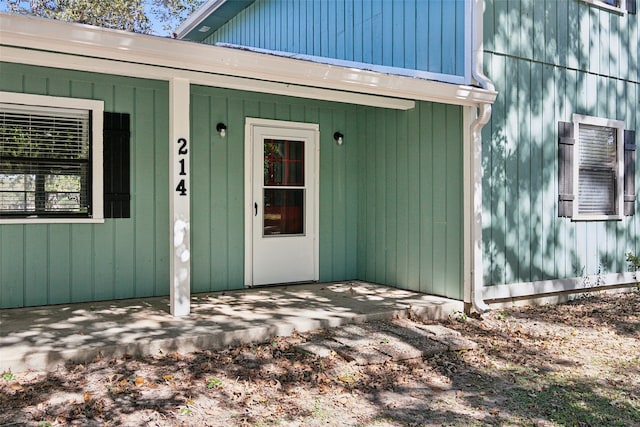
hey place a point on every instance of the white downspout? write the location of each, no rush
(484, 114)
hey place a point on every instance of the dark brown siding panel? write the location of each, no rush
(117, 195)
(566, 143)
(629, 172)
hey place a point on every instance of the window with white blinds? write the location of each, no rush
(45, 161)
(598, 170)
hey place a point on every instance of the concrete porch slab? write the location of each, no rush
(41, 338)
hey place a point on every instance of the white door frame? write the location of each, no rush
(250, 125)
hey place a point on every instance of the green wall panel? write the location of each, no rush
(411, 199)
(218, 183)
(374, 190)
(122, 258)
(390, 211)
(580, 59)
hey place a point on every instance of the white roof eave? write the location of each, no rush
(179, 57)
(196, 18)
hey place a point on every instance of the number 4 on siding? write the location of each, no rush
(182, 188)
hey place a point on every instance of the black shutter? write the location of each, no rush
(116, 165)
(566, 142)
(632, 7)
(629, 172)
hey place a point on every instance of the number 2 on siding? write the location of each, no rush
(183, 146)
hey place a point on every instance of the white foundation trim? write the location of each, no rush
(545, 287)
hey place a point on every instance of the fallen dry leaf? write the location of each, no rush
(139, 381)
(347, 379)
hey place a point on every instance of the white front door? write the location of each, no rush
(281, 195)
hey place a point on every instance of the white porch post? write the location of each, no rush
(179, 199)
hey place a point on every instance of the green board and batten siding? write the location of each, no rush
(410, 34)
(549, 60)
(390, 197)
(58, 263)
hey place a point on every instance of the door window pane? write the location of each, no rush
(283, 162)
(283, 211)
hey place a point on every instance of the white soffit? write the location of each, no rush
(123, 53)
(210, 16)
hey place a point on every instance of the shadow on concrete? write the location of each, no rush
(41, 338)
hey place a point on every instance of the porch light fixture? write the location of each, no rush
(338, 137)
(221, 128)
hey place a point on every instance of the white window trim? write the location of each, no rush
(621, 10)
(97, 109)
(579, 119)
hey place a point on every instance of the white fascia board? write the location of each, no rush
(95, 65)
(178, 56)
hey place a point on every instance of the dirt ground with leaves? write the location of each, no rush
(575, 364)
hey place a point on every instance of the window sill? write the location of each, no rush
(597, 218)
(37, 220)
(602, 5)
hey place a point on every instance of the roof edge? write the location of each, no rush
(84, 41)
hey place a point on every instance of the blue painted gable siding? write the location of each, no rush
(417, 35)
(549, 60)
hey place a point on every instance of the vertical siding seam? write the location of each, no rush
(228, 197)
(24, 248)
(93, 229)
(2, 282)
(211, 188)
(420, 137)
(24, 266)
(71, 265)
(154, 187)
(132, 186)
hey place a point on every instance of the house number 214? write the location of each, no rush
(182, 153)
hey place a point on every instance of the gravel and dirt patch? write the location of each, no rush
(576, 364)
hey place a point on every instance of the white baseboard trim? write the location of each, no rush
(547, 287)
